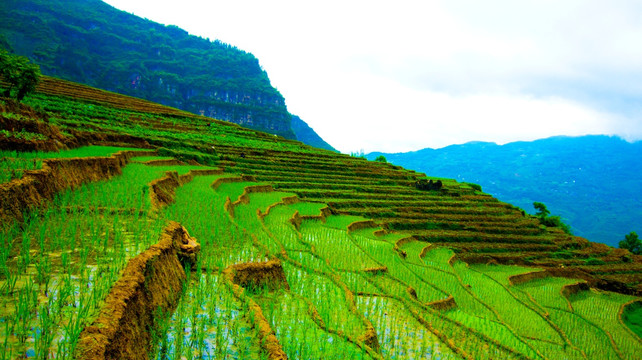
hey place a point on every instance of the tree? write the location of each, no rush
(542, 211)
(22, 76)
(632, 243)
(552, 221)
(381, 158)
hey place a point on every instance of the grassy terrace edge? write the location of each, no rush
(61, 107)
(266, 161)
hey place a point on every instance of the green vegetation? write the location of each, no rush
(550, 220)
(542, 211)
(632, 243)
(594, 261)
(56, 268)
(381, 158)
(363, 293)
(95, 44)
(358, 154)
(568, 174)
(632, 317)
(21, 75)
(14, 163)
(474, 186)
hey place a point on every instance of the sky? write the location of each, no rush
(405, 75)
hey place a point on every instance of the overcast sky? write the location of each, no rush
(406, 75)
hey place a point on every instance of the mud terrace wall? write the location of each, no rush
(259, 274)
(36, 186)
(288, 200)
(443, 305)
(400, 243)
(163, 190)
(526, 277)
(358, 225)
(633, 304)
(225, 180)
(269, 274)
(151, 281)
(572, 289)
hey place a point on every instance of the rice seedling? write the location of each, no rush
(14, 163)
(209, 323)
(280, 227)
(400, 335)
(308, 208)
(523, 320)
(601, 308)
(327, 240)
(308, 261)
(328, 299)
(495, 330)
(358, 284)
(299, 334)
(341, 222)
(63, 251)
(57, 267)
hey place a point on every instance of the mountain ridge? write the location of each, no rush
(93, 43)
(575, 176)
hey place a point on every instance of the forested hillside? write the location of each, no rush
(593, 182)
(90, 42)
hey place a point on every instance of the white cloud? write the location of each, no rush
(400, 119)
(405, 75)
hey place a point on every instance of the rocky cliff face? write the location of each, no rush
(90, 42)
(253, 109)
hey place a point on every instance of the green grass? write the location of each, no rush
(142, 159)
(56, 268)
(13, 167)
(65, 259)
(129, 191)
(325, 269)
(14, 163)
(633, 318)
(342, 222)
(308, 208)
(400, 335)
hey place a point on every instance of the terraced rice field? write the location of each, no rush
(345, 294)
(304, 254)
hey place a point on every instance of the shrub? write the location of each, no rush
(474, 186)
(594, 261)
(21, 75)
(632, 243)
(381, 159)
(551, 221)
(358, 154)
(185, 155)
(563, 254)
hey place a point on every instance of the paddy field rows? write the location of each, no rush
(304, 253)
(365, 293)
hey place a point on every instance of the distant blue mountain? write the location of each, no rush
(593, 182)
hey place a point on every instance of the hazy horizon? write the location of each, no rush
(398, 77)
(505, 143)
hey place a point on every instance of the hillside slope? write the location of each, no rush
(593, 182)
(307, 135)
(90, 42)
(476, 225)
(304, 253)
